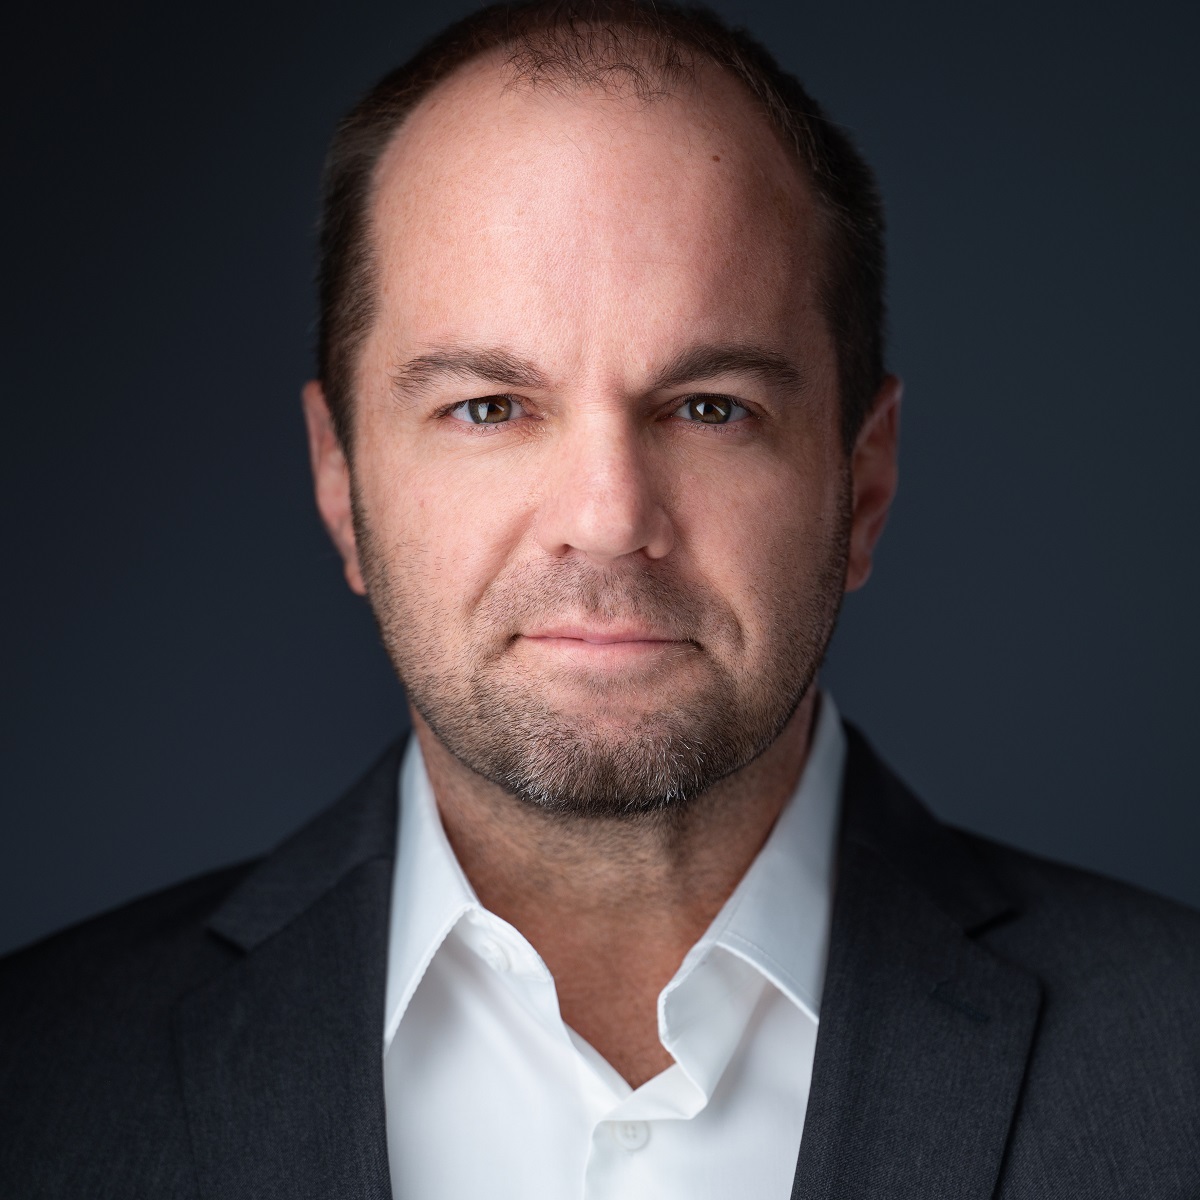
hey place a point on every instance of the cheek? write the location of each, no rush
(762, 539)
(445, 529)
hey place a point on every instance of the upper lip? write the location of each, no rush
(601, 636)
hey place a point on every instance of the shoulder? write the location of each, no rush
(1064, 923)
(1119, 969)
(86, 1051)
(128, 964)
(115, 948)
(1107, 951)
(1078, 923)
(1112, 1089)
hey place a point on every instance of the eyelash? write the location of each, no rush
(714, 426)
(486, 428)
(480, 427)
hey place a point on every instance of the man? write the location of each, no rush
(601, 429)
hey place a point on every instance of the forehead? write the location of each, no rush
(506, 214)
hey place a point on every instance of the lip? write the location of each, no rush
(599, 637)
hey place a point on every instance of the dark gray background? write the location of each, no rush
(188, 678)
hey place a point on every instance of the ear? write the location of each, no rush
(874, 475)
(331, 481)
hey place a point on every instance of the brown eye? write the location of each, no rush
(711, 410)
(489, 410)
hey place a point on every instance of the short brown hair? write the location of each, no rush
(640, 44)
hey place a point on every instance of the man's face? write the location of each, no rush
(601, 509)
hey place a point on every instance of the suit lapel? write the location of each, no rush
(924, 1033)
(281, 1056)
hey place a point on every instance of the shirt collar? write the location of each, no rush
(777, 919)
(773, 929)
(430, 893)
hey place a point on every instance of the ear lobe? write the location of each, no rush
(331, 481)
(874, 478)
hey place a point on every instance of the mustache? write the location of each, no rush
(570, 589)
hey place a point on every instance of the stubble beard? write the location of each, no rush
(495, 719)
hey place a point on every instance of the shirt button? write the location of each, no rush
(494, 954)
(631, 1135)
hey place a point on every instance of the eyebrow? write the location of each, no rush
(495, 365)
(500, 366)
(705, 362)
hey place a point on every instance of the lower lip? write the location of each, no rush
(578, 648)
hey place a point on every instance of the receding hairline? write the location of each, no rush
(698, 78)
(701, 74)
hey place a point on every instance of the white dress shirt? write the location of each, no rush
(489, 1093)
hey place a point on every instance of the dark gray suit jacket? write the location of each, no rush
(992, 1025)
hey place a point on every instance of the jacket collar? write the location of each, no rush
(359, 828)
(280, 1055)
(924, 1032)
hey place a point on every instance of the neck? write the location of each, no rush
(612, 906)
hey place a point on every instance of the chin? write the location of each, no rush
(602, 761)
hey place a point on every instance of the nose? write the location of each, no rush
(603, 497)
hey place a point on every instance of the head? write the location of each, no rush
(601, 427)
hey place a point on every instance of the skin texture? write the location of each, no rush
(607, 614)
